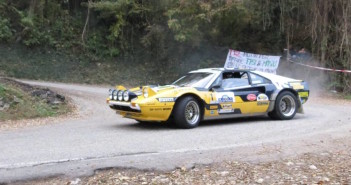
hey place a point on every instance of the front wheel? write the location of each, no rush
(285, 107)
(187, 113)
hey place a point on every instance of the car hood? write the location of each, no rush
(164, 88)
(157, 89)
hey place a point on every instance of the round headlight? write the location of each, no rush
(110, 94)
(120, 95)
(114, 95)
(146, 92)
(126, 96)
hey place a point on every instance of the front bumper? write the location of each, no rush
(124, 106)
(142, 111)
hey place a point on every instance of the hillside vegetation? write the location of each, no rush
(21, 101)
(140, 41)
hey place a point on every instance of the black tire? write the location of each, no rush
(143, 122)
(187, 113)
(286, 106)
(167, 123)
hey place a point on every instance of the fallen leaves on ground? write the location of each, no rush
(321, 168)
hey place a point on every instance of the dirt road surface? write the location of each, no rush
(101, 139)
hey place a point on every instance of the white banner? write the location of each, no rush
(242, 60)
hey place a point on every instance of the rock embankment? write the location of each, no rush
(44, 94)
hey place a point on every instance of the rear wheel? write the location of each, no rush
(187, 113)
(285, 107)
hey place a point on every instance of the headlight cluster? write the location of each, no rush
(119, 95)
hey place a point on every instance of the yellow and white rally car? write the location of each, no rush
(213, 93)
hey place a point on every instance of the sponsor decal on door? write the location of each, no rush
(262, 97)
(223, 97)
(251, 97)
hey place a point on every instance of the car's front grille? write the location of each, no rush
(123, 108)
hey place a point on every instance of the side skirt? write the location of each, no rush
(229, 116)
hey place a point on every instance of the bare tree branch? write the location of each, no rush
(86, 23)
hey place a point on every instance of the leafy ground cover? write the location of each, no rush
(328, 166)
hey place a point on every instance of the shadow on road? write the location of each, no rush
(132, 125)
(234, 121)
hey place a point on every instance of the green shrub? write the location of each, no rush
(5, 30)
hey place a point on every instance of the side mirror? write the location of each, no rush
(217, 86)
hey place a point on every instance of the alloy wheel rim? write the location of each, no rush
(192, 112)
(287, 106)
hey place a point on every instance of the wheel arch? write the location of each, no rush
(198, 99)
(292, 91)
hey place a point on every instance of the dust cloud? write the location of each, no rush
(317, 79)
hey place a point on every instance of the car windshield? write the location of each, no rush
(194, 80)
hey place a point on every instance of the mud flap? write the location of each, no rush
(300, 110)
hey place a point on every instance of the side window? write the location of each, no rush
(217, 81)
(234, 79)
(245, 76)
(256, 79)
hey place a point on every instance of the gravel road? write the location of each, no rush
(101, 139)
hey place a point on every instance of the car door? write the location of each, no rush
(237, 94)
